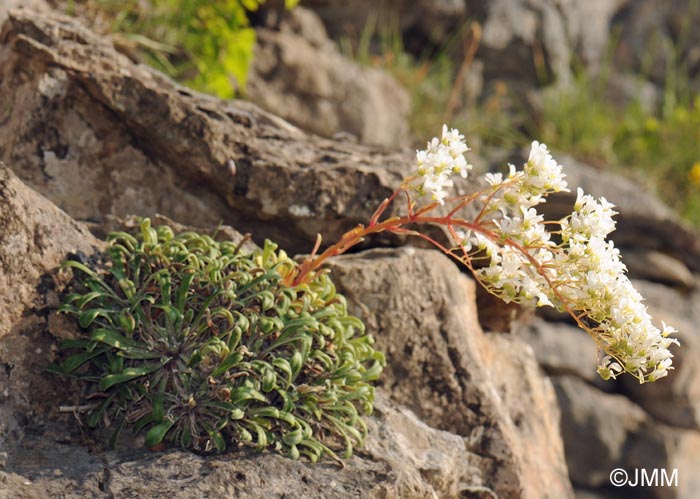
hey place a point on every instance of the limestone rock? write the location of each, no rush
(43, 454)
(402, 457)
(596, 428)
(443, 367)
(589, 28)
(657, 266)
(460, 412)
(657, 36)
(521, 34)
(562, 348)
(527, 399)
(309, 83)
(430, 21)
(514, 32)
(603, 432)
(517, 34)
(35, 238)
(34, 5)
(99, 135)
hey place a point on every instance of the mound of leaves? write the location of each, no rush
(199, 345)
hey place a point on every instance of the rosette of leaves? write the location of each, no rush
(199, 345)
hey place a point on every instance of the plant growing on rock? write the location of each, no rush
(200, 345)
(568, 264)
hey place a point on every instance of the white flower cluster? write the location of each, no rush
(596, 284)
(582, 273)
(541, 176)
(438, 161)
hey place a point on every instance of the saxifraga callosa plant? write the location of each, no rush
(198, 344)
(568, 264)
(203, 346)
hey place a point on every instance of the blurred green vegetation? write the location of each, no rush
(435, 80)
(656, 143)
(205, 44)
(209, 46)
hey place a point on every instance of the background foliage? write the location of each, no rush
(657, 143)
(207, 45)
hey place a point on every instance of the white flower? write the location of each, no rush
(440, 159)
(464, 238)
(608, 368)
(437, 186)
(591, 218)
(587, 273)
(580, 271)
(494, 179)
(542, 171)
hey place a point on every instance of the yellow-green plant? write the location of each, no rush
(207, 45)
(201, 345)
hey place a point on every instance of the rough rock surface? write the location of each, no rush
(515, 32)
(516, 36)
(561, 348)
(603, 432)
(403, 457)
(658, 37)
(660, 267)
(99, 135)
(442, 366)
(498, 450)
(596, 428)
(7, 5)
(35, 237)
(299, 75)
(66, 110)
(429, 20)
(526, 40)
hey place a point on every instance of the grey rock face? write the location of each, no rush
(456, 378)
(33, 5)
(305, 80)
(562, 349)
(460, 412)
(603, 432)
(658, 38)
(103, 136)
(35, 237)
(596, 428)
(431, 20)
(403, 457)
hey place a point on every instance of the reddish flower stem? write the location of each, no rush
(396, 225)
